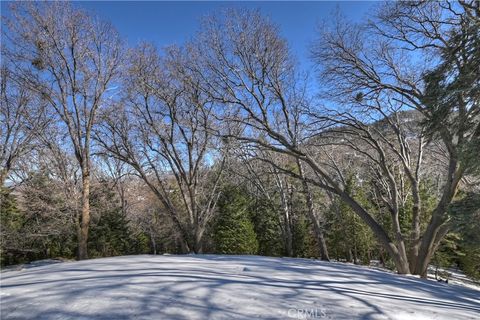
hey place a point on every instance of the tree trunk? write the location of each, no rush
(85, 216)
(399, 258)
(288, 231)
(432, 235)
(3, 176)
(154, 243)
(322, 245)
(198, 240)
(415, 233)
(317, 228)
(436, 229)
(355, 254)
(403, 263)
(287, 236)
(184, 247)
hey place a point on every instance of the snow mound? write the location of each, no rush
(211, 287)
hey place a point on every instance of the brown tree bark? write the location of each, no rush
(76, 58)
(85, 217)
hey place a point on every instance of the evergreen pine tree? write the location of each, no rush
(11, 222)
(233, 231)
(110, 234)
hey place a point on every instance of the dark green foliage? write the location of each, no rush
(300, 232)
(11, 217)
(465, 214)
(110, 236)
(461, 247)
(311, 245)
(452, 93)
(428, 202)
(470, 261)
(233, 231)
(40, 225)
(448, 252)
(11, 221)
(304, 241)
(44, 225)
(451, 100)
(267, 228)
(348, 237)
(109, 233)
(303, 238)
(139, 244)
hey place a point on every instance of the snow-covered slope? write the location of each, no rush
(226, 287)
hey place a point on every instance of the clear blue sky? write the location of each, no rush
(169, 22)
(165, 23)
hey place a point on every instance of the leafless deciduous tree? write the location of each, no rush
(245, 65)
(383, 69)
(162, 131)
(71, 60)
(22, 116)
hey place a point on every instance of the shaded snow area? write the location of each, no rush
(226, 287)
(33, 264)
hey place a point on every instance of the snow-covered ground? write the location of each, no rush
(226, 287)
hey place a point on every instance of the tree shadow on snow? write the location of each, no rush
(218, 287)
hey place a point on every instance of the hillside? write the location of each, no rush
(225, 287)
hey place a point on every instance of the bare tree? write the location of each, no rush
(244, 64)
(70, 60)
(163, 133)
(402, 69)
(22, 116)
(47, 199)
(119, 173)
